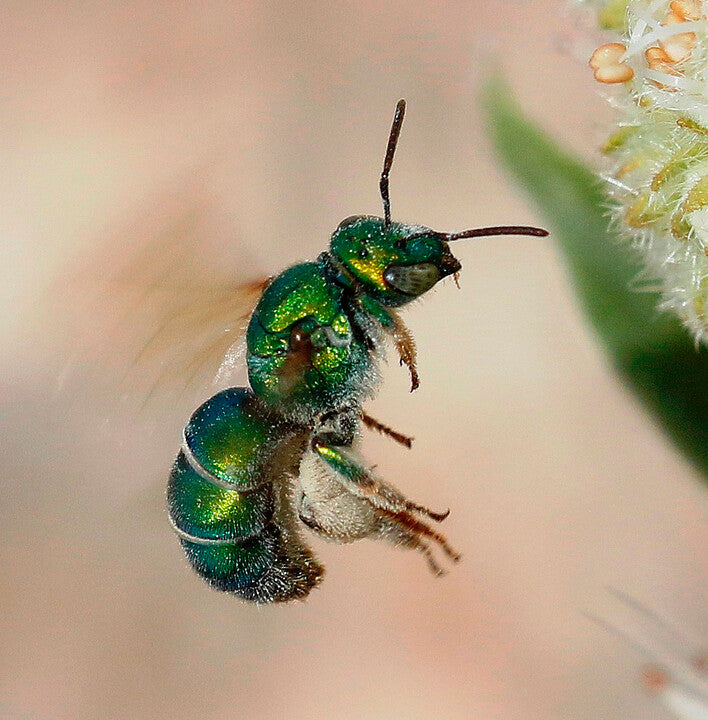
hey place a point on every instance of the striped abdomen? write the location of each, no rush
(229, 500)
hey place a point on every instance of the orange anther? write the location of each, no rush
(688, 9)
(606, 65)
(655, 56)
(677, 47)
(658, 59)
(673, 18)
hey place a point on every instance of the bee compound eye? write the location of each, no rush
(412, 280)
(349, 221)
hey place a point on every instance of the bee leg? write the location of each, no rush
(360, 481)
(403, 530)
(432, 562)
(307, 518)
(420, 529)
(405, 346)
(417, 544)
(373, 424)
(432, 514)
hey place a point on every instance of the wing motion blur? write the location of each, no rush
(153, 315)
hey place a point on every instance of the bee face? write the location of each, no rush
(395, 263)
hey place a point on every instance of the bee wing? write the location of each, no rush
(191, 336)
(162, 318)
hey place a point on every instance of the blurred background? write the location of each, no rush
(117, 120)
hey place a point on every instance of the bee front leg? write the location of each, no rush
(358, 480)
(405, 346)
(403, 340)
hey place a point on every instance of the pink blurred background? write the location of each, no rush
(559, 483)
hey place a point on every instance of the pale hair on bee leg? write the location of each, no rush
(336, 514)
(327, 508)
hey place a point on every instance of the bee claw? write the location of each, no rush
(437, 516)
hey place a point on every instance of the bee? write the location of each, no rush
(259, 464)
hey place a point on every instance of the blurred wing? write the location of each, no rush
(182, 337)
(158, 319)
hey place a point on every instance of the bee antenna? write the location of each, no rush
(388, 160)
(498, 230)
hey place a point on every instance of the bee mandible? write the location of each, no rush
(259, 464)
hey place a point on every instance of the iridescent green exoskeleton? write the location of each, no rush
(258, 464)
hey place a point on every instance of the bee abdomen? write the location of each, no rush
(261, 568)
(201, 509)
(222, 497)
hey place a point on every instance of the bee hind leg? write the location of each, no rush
(432, 514)
(420, 529)
(342, 501)
(417, 544)
(402, 529)
(359, 481)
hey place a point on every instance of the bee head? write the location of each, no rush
(395, 262)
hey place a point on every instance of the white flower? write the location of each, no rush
(658, 156)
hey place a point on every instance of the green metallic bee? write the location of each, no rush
(312, 347)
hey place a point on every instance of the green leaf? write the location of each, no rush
(651, 351)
